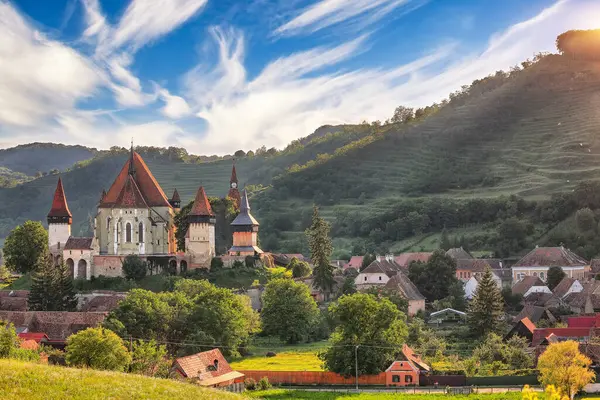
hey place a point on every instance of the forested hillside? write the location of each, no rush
(501, 165)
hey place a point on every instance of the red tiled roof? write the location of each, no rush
(149, 188)
(411, 356)
(58, 325)
(233, 175)
(405, 259)
(526, 283)
(539, 334)
(528, 324)
(584, 321)
(130, 196)
(355, 262)
(201, 205)
(551, 257)
(197, 365)
(175, 196)
(59, 203)
(37, 337)
(79, 243)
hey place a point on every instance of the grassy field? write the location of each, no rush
(301, 357)
(306, 395)
(20, 380)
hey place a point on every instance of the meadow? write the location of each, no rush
(301, 357)
(279, 394)
(19, 380)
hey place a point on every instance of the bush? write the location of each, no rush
(250, 384)
(271, 354)
(134, 268)
(28, 355)
(264, 384)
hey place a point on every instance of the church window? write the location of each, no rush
(128, 233)
(141, 233)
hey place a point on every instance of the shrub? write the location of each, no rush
(28, 355)
(250, 384)
(8, 339)
(134, 268)
(264, 384)
(97, 348)
(271, 354)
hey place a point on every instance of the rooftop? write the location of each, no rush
(551, 257)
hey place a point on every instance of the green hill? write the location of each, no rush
(43, 157)
(19, 380)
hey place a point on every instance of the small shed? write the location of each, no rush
(447, 315)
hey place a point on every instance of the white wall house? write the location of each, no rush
(472, 284)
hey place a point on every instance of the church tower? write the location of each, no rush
(245, 231)
(200, 237)
(234, 192)
(59, 221)
(175, 201)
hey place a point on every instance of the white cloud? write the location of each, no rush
(142, 22)
(38, 77)
(175, 106)
(288, 100)
(325, 13)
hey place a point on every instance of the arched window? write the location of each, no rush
(107, 224)
(128, 232)
(141, 233)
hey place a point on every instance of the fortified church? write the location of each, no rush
(136, 217)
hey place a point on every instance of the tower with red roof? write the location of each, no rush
(200, 237)
(59, 220)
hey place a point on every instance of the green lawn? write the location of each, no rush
(306, 395)
(301, 357)
(19, 380)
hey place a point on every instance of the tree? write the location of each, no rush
(320, 251)
(9, 341)
(288, 310)
(239, 154)
(563, 366)
(445, 241)
(392, 295)
(362, 320)
(149, 358)
(134, 268)
(585, 220)
(24, 245)
(555, 275)
(425, 341)
(487, 306)
(348, 287)
(402, 115)
(367, 260)
(435, 277)
(300, 269)
(51, 286)
(97, 348)
(512, 353)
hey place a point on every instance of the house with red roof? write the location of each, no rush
(523, 328)
(135, 216)
(355, 262)
(406, 370)
(209, 369)
(405, 259)
(539, 260)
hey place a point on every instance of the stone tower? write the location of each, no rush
(234, 192)
(245, 231)
(200, 237)
(59, 221)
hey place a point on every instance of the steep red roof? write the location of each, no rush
(175, 196)
(551, 257)
(355, 262)
(233, 175)
(528, 324)
(202, 365)
(130, 196)
(59, 203)
(201, 206)
(147, 185)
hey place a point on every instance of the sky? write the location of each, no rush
(215, 76)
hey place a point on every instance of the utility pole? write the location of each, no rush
(356, 365)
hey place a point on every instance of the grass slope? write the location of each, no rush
(300, 357)
(43, 157)
(20, 380)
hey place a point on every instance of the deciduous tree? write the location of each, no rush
(134, 268)
(8, 339)
(435, 277)
(375, 326)
(487, 306)
(97, 348)
(149, 358)
(555, 275)
(288, 311)
(24, 245)
(565, 367)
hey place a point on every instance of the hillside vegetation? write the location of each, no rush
(32, 158)
(19, 380)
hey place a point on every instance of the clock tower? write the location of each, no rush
(234, 192)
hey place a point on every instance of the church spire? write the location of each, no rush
(60, 213)
(131, 165)
(233, 178)
(234, 192)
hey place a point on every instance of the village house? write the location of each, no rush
(405, 259)
(535, 314)
(562, 290)
(473, 282)
(523, 328)
(208, 369)
(530, 284)
(586, 301)
(539, 260)
(355, 263)
(385, 273)
(458, 253)
(406, 370)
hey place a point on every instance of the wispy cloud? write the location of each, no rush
(325, 13)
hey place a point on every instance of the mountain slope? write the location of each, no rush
(43, 157)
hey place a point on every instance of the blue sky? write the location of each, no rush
(216, 76)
